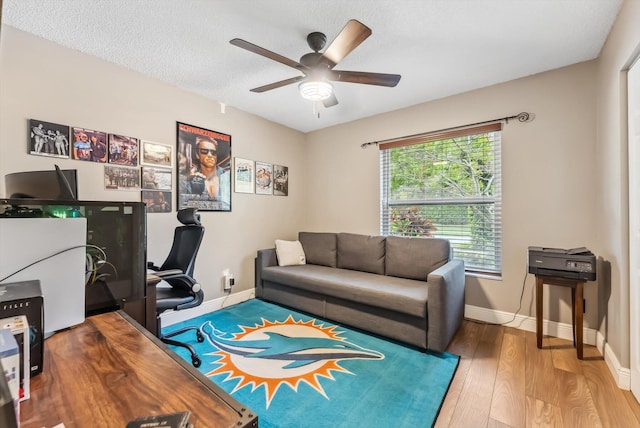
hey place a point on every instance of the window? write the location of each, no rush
(446, 185)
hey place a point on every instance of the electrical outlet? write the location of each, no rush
(228, 281)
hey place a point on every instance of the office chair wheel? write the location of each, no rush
(199, 336)
(196, 361)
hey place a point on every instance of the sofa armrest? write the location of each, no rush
(445, 304)
(264, 258)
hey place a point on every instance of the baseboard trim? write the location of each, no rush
(621, 375)
(174, 317)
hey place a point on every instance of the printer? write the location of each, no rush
(574, 263)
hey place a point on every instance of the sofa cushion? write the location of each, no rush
(320, 248)
(395, 294)
(289, 253)
(361, 252)
(415, 258)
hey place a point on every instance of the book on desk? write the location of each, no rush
(171, 420)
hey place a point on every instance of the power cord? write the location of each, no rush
(225, 298)
(524, 281)
(53, 255)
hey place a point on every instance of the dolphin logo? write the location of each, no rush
(300, 350)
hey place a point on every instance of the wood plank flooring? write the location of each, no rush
(504, 380)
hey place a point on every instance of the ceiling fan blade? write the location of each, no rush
(354, 33)
(379, 79)
(267, 54)
(331, 101)
(279, 84)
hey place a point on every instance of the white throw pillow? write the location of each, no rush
(290, 253)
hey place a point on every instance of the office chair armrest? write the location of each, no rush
(153, 267)
(177, 274)
(170, 273)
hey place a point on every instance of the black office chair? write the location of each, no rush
(177, 289)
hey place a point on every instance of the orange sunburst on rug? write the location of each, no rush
(277, 353)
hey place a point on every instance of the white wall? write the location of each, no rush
(44, 81)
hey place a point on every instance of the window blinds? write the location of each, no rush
(446, 184)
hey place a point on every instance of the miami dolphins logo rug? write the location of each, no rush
(273, 354)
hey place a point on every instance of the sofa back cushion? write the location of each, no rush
(415, 258)
(361, 252)
(320, 248)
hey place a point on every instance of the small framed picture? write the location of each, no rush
(89, 145)
(280, 180)
(123, 150)
(264, 178)
(157, 201)
(156, 178)
(48, 139)
(121, 178)
(156, 154)
(244, 175)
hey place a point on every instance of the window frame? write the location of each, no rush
(491, 270)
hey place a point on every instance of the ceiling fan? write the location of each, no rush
(318, 68)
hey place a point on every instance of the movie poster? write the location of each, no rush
(204, 169)
(157, 201)
(264, 178)
(244, 176)
(280, 180)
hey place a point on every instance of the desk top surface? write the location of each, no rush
(107, 371)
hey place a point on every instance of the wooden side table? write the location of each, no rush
(576, 307)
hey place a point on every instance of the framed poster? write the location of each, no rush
(244, 175)
(156, 154)
(264, 178)
(204, 168)
(157, 201)
(48, 139)
(123, 150)
(280, 180)
(89, 145)
(121, 178)
(156, 178)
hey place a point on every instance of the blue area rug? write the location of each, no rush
(294, 370)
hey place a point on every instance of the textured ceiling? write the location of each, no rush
(440, 47)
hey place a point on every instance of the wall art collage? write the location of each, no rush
(203, 165)
(129, 163)
(261, 178)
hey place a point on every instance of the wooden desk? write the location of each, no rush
(576, 307)
(109, 370)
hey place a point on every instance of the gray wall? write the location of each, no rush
(45, 81)
(547, 191)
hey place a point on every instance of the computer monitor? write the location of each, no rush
(58, 184)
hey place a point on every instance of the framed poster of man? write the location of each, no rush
(204, 168)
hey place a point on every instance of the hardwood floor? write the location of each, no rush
(504, 380)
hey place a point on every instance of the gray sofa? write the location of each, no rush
(407, 289)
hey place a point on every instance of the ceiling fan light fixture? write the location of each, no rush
(315, 90)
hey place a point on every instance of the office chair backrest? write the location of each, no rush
(186, 242)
